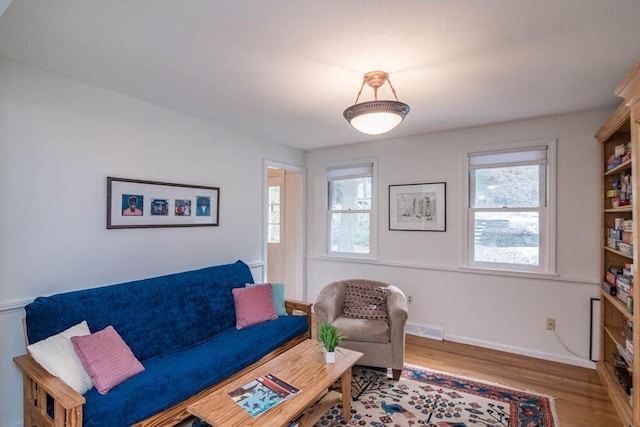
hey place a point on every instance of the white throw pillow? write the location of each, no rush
(58, 356)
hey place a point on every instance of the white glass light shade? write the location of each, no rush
(376, 123)
(376, 117)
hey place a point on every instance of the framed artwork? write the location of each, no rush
(418, 207)
(133, 203)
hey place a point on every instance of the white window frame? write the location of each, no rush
(270, 206)
(350, 169)
(547, 212)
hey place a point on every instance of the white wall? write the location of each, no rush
(59, 140)
(502, 312)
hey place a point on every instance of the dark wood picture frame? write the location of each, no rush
(135, 203)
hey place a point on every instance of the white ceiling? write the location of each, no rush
(284, 70)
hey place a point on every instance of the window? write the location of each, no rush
(510, 209)
(273, 230)
(350, 209)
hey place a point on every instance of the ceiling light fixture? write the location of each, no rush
(376, 117)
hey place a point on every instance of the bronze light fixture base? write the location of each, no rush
(378, 116)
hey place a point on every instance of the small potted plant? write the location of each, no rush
(330, 339)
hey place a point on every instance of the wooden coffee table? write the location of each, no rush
(303, 367)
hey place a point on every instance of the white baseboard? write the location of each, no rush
(569, 360)
(437, 333)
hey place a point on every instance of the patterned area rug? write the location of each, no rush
(429, 398)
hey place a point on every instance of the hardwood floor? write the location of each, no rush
(580, 398)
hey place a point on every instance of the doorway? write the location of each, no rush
(284, 237)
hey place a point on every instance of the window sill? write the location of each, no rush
(505, 272)
(349, 257)
(458, 269)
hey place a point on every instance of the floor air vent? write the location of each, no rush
(427, 331)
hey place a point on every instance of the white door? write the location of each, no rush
(275, 218)
(285, 229)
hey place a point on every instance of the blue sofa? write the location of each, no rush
(180, 326)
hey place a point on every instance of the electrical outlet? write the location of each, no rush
(409, 299)
(551, 324)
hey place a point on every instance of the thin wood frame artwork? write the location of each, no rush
(418, 207)
(134, 203)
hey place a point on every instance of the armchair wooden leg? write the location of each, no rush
(396, 374)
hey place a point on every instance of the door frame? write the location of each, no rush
(301, 241)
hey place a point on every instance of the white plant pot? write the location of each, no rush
(329, 356)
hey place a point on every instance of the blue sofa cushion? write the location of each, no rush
(155, 316)
(171, 378)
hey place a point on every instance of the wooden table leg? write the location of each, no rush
(346, 395)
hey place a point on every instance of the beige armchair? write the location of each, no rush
(381, 341)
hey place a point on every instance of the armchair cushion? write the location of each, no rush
(365, 302)
(363, 330)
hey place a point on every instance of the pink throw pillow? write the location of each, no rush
(107, 358)
(253, 305)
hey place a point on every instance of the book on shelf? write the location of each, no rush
(626, 354)
(627, 330)
(622, 295)
(609, 288)
(262, 394)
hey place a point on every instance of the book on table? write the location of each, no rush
(262, 394)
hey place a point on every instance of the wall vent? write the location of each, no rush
(428, 331)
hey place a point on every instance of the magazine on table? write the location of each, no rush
(262, 394)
